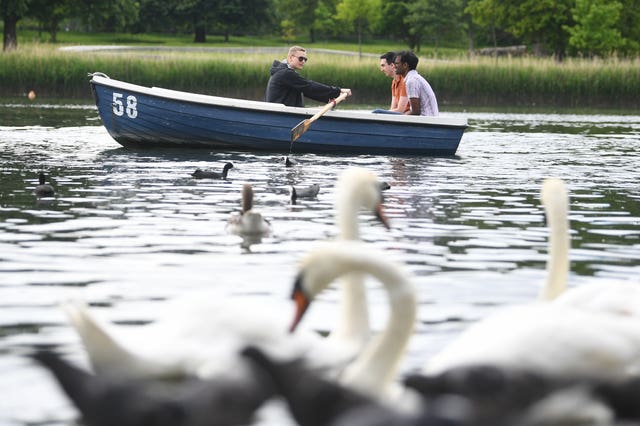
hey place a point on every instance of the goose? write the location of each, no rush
(249, 221)
(107, 400)
(44, 189)
(615, 297)
(306, 192)
(207, 174)
(374, 370)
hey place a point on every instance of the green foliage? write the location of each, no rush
(435, 18)
(596, 32)
(358, 15)
(110, 16)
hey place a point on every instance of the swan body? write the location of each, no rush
(375, 369)
(548, 338)
(208, 174)
(199, 335)
(44, 189)
(249, 221)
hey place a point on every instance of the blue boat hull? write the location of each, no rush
(139, 116)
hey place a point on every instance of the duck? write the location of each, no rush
(248, 221)
(43, 189)
(106, 400)
(614, 297)
(207, 174)
(304, 192)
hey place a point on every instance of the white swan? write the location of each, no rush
(202, 334)
(375, 369)
(357, 188)
(249, 221)
(555, 199)
(561, 334)
(615, 297)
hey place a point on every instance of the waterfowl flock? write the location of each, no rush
(570, 357)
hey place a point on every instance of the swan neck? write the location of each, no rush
(558, 255)
(377, 366)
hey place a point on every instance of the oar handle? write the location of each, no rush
(332, 103)
(302, 126)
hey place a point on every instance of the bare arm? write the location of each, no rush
(415, 106)
(401, 106)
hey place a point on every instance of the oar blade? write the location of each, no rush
(300, 128)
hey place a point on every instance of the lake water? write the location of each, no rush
(130, 230)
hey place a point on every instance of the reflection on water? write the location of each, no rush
(128, 230)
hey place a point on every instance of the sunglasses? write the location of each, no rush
(303, 58)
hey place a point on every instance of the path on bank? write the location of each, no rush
(276, 50)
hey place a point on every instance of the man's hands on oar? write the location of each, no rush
(303, 126)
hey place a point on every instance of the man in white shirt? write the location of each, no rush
(421, 97)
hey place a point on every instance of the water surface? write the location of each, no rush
(130, 230)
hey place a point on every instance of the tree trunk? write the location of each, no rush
(10, 35)
(201, 34)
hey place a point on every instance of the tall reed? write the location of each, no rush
(466, 82)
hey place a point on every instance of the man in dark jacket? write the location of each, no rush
(287, 87)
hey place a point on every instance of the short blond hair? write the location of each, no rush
(295, 49)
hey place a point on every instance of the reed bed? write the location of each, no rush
(463, 82)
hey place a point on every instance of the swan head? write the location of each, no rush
(320, 267)
(554, 197)
(359, 188)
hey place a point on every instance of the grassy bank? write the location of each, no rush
(457, 82)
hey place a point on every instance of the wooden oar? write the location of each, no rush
(303, 126)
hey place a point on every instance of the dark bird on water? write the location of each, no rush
(308, 192)
(44, 189)
(207, 174)
(110, 399)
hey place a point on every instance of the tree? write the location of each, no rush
(435, 17)
(595, 31)
(232, 15)
(297, 12)
(12, 11)
(487, 14)
(541, 23)
(358, 15)
(391, 22)
(49, 14)
(629, 25)
(197, 14)
(109, 16)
